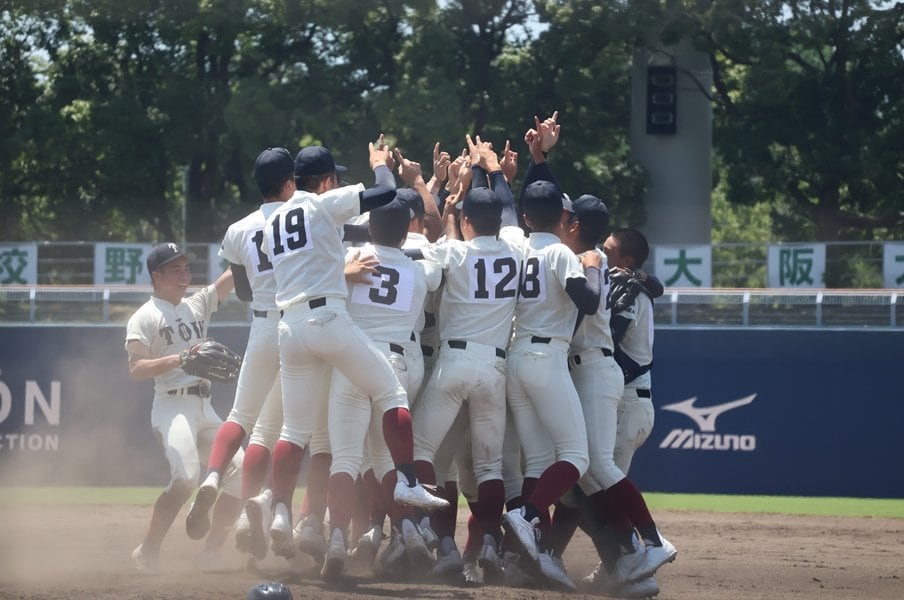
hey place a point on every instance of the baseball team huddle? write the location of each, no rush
(414, 344)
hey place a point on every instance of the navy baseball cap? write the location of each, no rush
(591, 211)
(273, 166)
(481, 201)
(316, 160)
(543, 192)
(413, 200)
(162, 254)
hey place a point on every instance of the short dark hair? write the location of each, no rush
(632, 243)
(389, 224)
(270, 190)
(542, 216)
(309, 183)
(485, 222)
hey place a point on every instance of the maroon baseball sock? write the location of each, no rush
(396, 511)
(342, 501)
(226, 443)
(613, 514)
(555, 481)
(287, 459)
(425, 472)
(166, 508)
(398, 435)
(626, 494)
(491, 500)
(443, 520)
(255, 467)
(375, 497)
(475, 534)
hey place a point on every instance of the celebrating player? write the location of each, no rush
(160, 338)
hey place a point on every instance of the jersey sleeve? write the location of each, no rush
(441, 254)
(229, 247)
(140, 329)
(204, 302)
(433, 274)
(564, 264)
(342, 203)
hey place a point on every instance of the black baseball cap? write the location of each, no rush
(591, 211)
(543, 192)
(316, 160)
(162, 254)
(481, 201)
(412, 199)
(273, 166)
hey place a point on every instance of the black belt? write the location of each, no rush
(413, 337)
(539, 340)
(396, 348)
(202, 390)
(462, 345)
(315, 303)
(426, 350)
(643, 393)
(577, 357)
(260, 313)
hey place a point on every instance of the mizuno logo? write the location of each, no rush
(705, 418)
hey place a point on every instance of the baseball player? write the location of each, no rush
(476, 307)
(258, 397)
(386, 306)
(159, 338)
(303, 241)
(632, 328)
(555, 288)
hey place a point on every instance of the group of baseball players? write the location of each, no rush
(415, 343)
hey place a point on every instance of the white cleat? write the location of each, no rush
(430, 537)
(645, 588)
(416, 496)
(659, 555)
(310, 536)
(490, 561)
(243, 533)
(448, 565)
(368, 545)
(282, 536)
(145, 561)
(525, 534)
(390, 561)
(334, 558)
(197, 522)
(553, 570)
(419, 556)
(470, 574)
(260, 516)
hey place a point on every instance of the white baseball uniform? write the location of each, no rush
(258, 398)
(303, 241)
(635, 412)
(541, 395)
(599, 383)
(475, 309)
(387, 311)
(182, 417)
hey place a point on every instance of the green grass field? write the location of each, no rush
(848, 507)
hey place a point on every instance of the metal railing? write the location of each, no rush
(678, 307)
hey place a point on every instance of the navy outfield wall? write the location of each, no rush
(746, 411)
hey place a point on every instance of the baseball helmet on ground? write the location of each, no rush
(273, 590)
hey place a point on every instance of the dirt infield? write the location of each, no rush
(50, 553)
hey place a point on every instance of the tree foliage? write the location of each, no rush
(116, 113)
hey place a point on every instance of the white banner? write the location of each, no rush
(893, 264)
(684, 266)
(797, 265)
(121, 263)
(215, 264)
(18, 263)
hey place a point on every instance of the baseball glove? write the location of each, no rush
(211, 360)
(625, 285)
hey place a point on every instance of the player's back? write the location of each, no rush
(478, 297)
(595, 331)
(303, 241)
(242, 246)
(544, 308)
(388, 309)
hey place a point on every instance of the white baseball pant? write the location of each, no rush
(635, 423)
